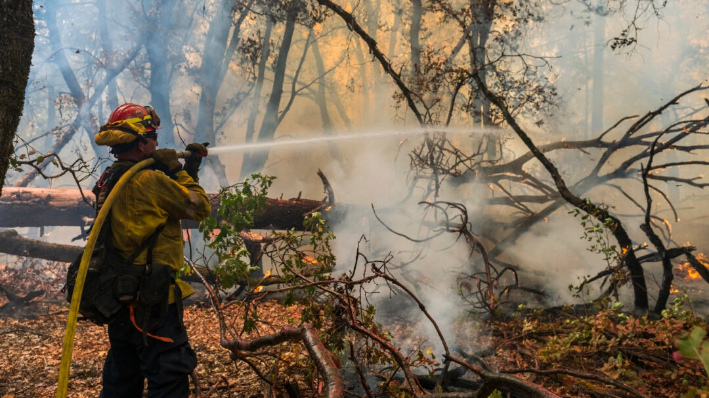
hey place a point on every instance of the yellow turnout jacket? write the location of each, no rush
(149, 200)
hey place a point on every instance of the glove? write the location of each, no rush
(166, 161)
(198, 150)
(193, 162)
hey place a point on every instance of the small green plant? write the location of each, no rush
(677, 310)
(239, 204)
(619, 368)
(600, 236)
(693, 346)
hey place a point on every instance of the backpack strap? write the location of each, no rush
(149, 244)
(102, 189)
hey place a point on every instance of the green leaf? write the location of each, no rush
(289, 300)
(689, 343)
(495, 394)
(692, 345)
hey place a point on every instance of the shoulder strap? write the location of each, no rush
(108, 181)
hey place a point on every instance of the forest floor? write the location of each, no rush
(609, 348)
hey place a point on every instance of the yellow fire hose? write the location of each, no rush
(68, 345)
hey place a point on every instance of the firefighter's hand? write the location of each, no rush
(197, 150)
(166, 161)
(193, 162)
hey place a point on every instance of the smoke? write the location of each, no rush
(670, 57)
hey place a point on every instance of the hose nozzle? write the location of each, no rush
(188, 154)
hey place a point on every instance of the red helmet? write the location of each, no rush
(133, 113)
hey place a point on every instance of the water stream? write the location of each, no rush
(291, 143)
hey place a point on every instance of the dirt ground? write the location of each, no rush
(30, 352)
(609, 345)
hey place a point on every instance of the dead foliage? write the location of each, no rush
(30, 352)
(580, 352)
(571, 351)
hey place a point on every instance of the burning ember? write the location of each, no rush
(259, 288)
(310, 260)
(687, 272)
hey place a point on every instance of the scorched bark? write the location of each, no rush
(36, 207)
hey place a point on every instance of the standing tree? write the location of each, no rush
(16, 48)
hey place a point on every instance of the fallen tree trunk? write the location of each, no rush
(12, 243)
(334, 387)
(37, 207)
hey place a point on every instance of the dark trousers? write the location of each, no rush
(129, 361)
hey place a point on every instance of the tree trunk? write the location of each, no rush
(373, 8)
(14, 244)
(16, 48)
(215, 64)
(321, 101)
(256, 101)
(159, 84)
(483, 14)
(587, 92)
(70, 78)
(363, 79)
(416, 14)
(599, 46)
(257, 160)
(51, 117)
(215, 45)
(36, 207)
(107, 43)
(383, 91)
(341, 110)
(59, 56)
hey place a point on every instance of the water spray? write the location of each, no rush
(347, 137)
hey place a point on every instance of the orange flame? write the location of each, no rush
(310, 260)
(258, 289)
(688, 273)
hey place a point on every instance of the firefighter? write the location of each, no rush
(151, 345)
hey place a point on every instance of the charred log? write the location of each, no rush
(12, 243)
(36, 207)
(15, 301)
(334, 386)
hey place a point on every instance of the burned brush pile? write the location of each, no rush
(29, 287)
(584, 352)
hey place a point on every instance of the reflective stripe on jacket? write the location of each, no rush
(149, 200)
